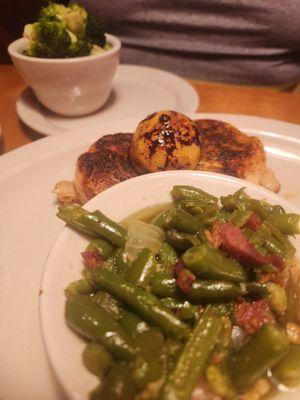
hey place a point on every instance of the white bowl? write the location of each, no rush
(69, 86)
(64, 347)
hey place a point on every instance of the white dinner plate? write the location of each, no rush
(64, 264)
(136, 90)
(29, 228)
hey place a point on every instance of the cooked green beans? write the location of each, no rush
(262, 352)
(181, 240)
(189, 192)
(208, 262)
(143, 302)
(289, 224)
(287, 370)
(94, 322)
(205, 291)
(93, 223)
(192, 361)
(97, 359)
(118, 385)
(105, 248)
(167, 256)
(142, 269)
(164, 313)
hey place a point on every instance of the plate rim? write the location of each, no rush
(188, 95)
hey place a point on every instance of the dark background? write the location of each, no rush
(14, 15)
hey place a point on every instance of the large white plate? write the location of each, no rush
(65, 264)
(136, 90)
(29, 228)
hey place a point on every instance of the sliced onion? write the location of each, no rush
(141, 235)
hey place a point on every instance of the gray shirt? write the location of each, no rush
(236, 41)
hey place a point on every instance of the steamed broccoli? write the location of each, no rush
(53, 12)
(63, 32)
(95, 30)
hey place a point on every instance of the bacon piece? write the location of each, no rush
(251, 316)
(185, 277)
(92, 259)
(254, 222)
(235, 243)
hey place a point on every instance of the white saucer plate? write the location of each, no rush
(137, 91)
(29, 227)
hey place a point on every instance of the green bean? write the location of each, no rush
(236, 201)
(148, 339)
(71, 214)
(192, 360)
(162, 220)
(94, 223)
(103, 246)
(259, 237)
(240, 217)
(185, 222)
(147, 368)
(208, 262)
(256, 206)
(181, 240)
(94, 322)
(221, 309)
(96, 358)
(255, 289)
(144, 303)
(118, 385)
(203, 211)
(167, 256)
(131, 322)
(182, 308)
(219, 382)
(203, 291)
(274, 246)
(272, 209)
(287, 370)
(79, 287)
(109, 303)
(265, 348)
(105, 227)
(277, 297)
(121, 260)
(142, 269)
(192, 206)
(289, 224)
(209, 215)
(182, 192)
(163, 284)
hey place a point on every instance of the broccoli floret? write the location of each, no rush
(62, 32)
(95, 30)
(52, 40)
(52, 12)
(75, 19)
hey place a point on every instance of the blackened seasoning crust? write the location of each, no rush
(105, 164)
(226, 150)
